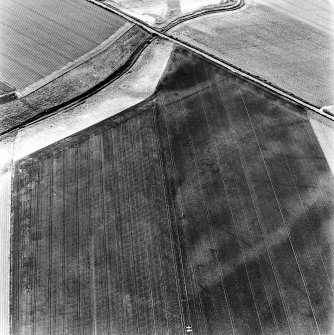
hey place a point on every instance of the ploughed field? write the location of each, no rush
(40, 36)
(208, 206)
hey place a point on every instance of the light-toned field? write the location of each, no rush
(284, 49)
(40, 36)
(318, 13)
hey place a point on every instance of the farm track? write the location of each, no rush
(205, 206)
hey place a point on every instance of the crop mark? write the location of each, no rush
(257, 212)
(303, 205)
(283, 219)
(230, 208)
(202, 193)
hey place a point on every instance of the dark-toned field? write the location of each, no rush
(40, 36)
(208, 206)
(92, 252)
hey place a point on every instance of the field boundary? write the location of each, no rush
(230, 67)
(72, 65)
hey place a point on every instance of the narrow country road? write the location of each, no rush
(231, 67)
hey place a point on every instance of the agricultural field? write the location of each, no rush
(145, 189)
(98, 256)
(40, 36)
(206, 207)
(319, 13)
(275, 42)
(130, 89)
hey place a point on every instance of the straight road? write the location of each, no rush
(201, 50)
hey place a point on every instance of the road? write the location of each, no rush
(218, 60)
